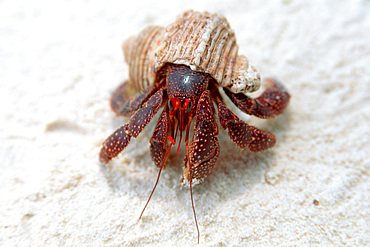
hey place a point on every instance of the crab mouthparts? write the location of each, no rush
(181, 125)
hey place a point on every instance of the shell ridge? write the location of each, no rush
(148, 53)
(217, 51)
(222, 71)
(201, 48)
(211, 47)
(230, 66)
(137, 51)
(141, 59)
(180, 50)
(229, 49)
(192, 39)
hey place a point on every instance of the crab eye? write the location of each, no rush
(189, 106)
(170, 106)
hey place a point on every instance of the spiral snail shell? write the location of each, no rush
(203, 41)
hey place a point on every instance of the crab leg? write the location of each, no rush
(123, 104)
(271, 103)
(243, 134)
(159, 140)
(117, 141)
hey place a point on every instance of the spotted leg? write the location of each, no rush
(241, 133)
(159, 140)
(124, 103)
(204, 147)
(117, 141)
(271, 103)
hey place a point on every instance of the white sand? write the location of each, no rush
(59, 62)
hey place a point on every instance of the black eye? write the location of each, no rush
(170, 106)
(188, 108)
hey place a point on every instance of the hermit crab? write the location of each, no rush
(185, 70)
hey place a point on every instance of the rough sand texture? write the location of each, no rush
(59, 62)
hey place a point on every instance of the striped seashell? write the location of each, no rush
(203, 41)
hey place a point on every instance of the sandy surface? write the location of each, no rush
(59, 62)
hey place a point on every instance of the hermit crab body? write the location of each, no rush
(182, 68)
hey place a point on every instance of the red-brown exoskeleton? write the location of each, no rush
(185, 90)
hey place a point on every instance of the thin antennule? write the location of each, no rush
(159, 174)
(178, 148)
(177, 129)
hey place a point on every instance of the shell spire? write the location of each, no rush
(205, 42)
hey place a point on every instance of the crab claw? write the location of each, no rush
(117, 141)
(204, 147)
(114, 144)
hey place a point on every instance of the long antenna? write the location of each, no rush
(191, 179)
(192, 205)
(159, 174)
